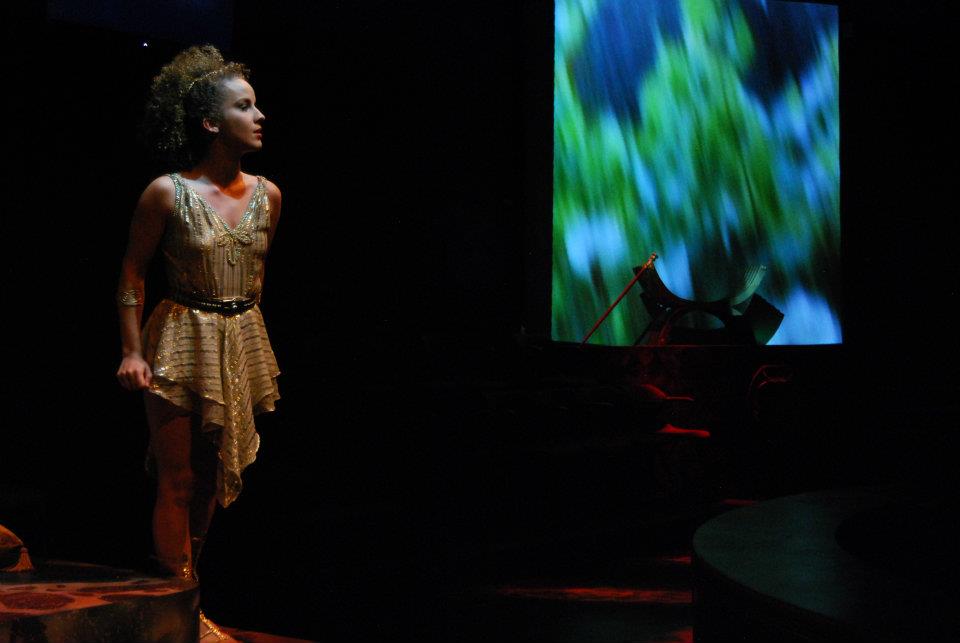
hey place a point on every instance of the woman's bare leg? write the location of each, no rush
(204, 462)
(186, 484)
(170, 440)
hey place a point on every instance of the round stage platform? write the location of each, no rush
(777, 571)
(64, 602)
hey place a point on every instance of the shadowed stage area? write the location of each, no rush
(863, 564)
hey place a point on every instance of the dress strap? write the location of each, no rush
(260, 196)
(178, 185)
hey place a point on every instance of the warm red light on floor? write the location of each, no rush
(680, 560)
(669, 429)
(679, 636)
(602, 594)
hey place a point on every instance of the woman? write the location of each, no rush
(204, 359)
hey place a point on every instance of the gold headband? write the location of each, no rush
(203, 77)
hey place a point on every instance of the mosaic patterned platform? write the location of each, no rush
(65, 602)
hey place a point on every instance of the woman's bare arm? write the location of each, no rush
(273, 195)
(146, 229)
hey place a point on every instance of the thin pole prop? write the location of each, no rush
(636, 277)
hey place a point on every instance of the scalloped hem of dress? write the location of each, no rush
(265, 404)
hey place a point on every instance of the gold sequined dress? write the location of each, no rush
(220, 367)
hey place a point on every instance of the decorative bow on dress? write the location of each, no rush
(233, 241)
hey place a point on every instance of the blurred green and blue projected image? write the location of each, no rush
(707, 131)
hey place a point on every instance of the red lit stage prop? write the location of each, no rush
(746, 317)
(62, 602)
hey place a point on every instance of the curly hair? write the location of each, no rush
(184, 93)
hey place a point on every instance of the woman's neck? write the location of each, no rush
(219, 167)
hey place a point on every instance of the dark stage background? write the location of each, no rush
(412, 144)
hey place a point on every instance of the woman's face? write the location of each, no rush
(241, 122)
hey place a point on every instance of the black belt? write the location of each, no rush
(224, 307)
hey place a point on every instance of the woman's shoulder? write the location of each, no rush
(163, 185)
(160, 193)
(273, 192)
(253, 179)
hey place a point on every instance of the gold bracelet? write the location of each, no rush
(129, 298)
